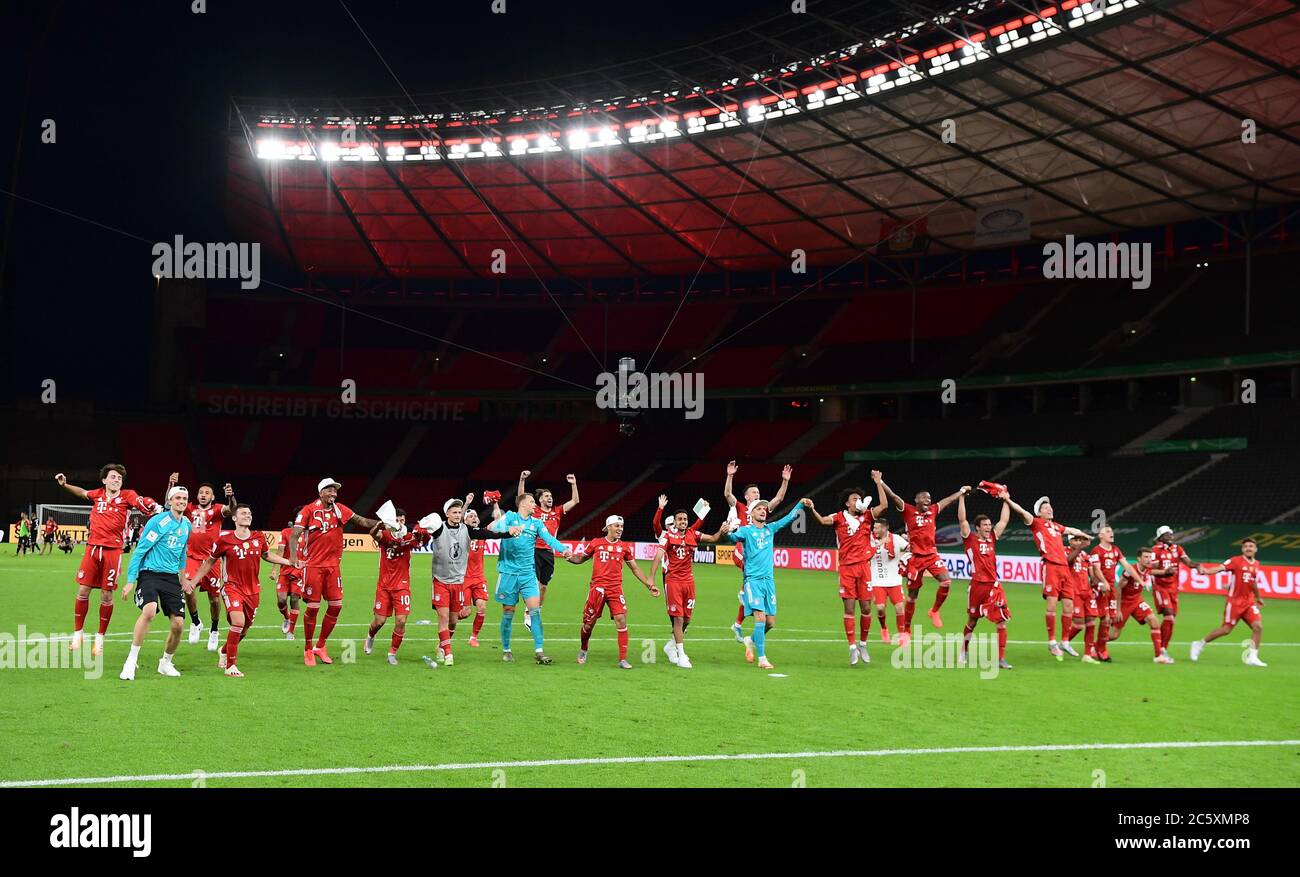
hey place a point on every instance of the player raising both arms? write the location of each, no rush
(551, 517)
(1243, 602)
(1058, 580)
(517, 571)
(739, 511)
(985, 597)
(760, 583)
(1169, 556)
(608, 556)
(241, 551)
(1132, 583)
(205, 522)
(319, 528)
(853, 523)
(110, 507)
(919, 519)
(677, 554)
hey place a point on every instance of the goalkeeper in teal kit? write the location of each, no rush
(759, 595)
(517, 571)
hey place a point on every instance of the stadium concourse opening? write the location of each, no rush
(965, 328)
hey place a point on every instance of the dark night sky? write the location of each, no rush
(140, 92)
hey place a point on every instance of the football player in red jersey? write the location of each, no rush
(319, 528)
(1085, 601)
(1104, 563)
(393, 590)
(740, 509)
(206, 518)
(984, 597)
(1169, 557)
(241, 550)
(1058, 580)
(676, 553)
(1132, 583)
(919, 518)
(476, 594)
(111, 506)
(51, 530)
(1243, 601)
(288, 584)
(853, 523)
(551, 517)
(609, 555)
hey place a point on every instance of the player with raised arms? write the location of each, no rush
(319, 528)
(393, 588)
(853, 523)
(206, 518)
(919, 517)
(517, 571)
(609, 556)
(241, 551)
(1243, 602)
(158, 565)
(739, 512)
(1169, 556)
(984, 596)
(1058, 580)
(111, 505)
(760, 583)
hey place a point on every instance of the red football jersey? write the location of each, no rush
(108, 516)
(1047, 538)
(550, 520)
(679, 555)
(920, 528)
(323, 532)
(1108, 558)
(742, 512)
(1131, 585)
(983, 558)
(50, 527)
(243, 559)
(1168, 556)
(205, 525)
(1080, 566)
(474, 563)
(395, 558)
(607, 562)
(853, 536)
(1244, 581)
(285, 536)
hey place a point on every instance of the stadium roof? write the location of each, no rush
(808, 132)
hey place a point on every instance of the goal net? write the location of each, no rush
(72, 519)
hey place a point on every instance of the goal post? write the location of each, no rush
(73, 519)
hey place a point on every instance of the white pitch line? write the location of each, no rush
(640, 759)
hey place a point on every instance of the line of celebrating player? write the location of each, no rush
(183, 545)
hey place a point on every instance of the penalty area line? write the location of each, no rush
(640, 759)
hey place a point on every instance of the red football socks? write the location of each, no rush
(907, 616)
(1166, 632)
(622, 644)
(444, 641)
(309, 624)
(1051, 627)
(478, 622)
(1002, 643)
(233, 636)
(80, 608)
(105, 614)
(848, 628)
(293, 619)
(1155, 640)
(327, 626)
(865, 625)
(397, 641)
(939, 597)
(585, 635)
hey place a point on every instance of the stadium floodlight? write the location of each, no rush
(490, 148)
(668, 128)
(518, 146)
(396, 150)
(578, 138)
(329, 152)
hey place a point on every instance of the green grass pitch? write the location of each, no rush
(479, 721)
